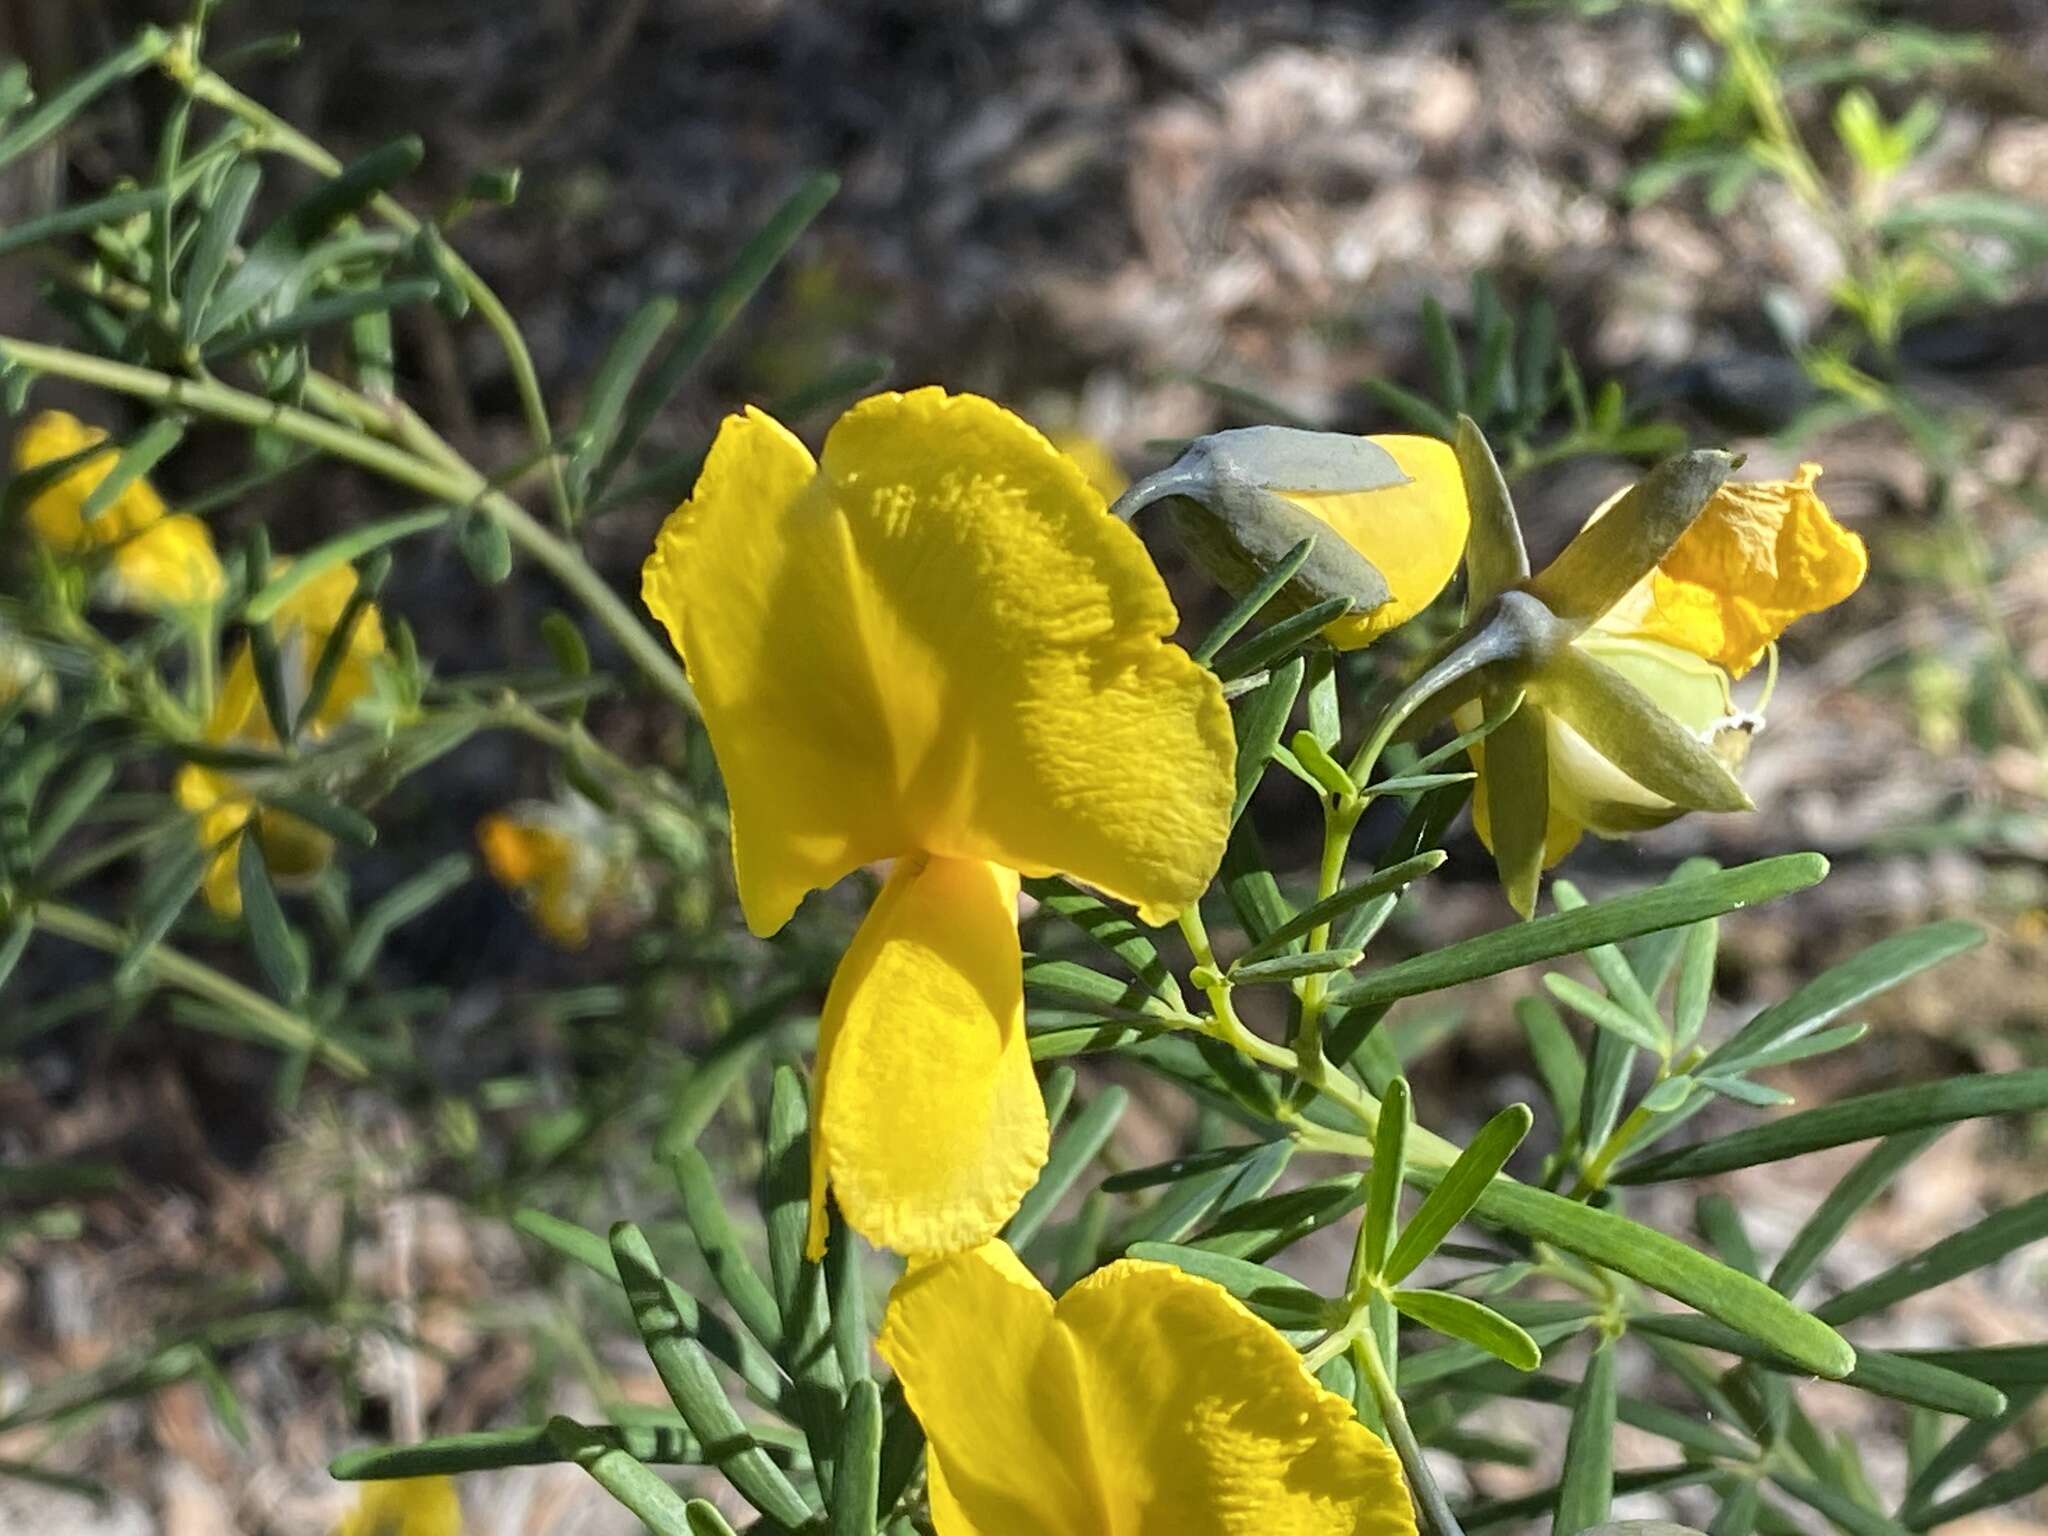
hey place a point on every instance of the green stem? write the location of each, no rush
(1430, 1502)
(1340, 821)
(282, 136)
(188, 975)
(452, 482)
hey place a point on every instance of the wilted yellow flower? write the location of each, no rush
(1146, 1401)
(1762, 554)
(155, 561)
(410, 1506)
(935, 646)
(564, 860)
(1414, 533)
(292, 847)
(1758, 556)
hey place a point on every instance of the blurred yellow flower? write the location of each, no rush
(1145, 1401)
(564, 860)
(223, 806)
(155, 561)
(1413, 532)
(411, 1506)
(935, 646)
(1759, 556)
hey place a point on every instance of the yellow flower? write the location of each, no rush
(563, 860)
(1146, 1401)
(57, 511)
(1762, 554)
(1758, 556)
(410, 1506)
(1413, 532)
(223, 806)
(935, 646)
(155, 561)
(169, 564)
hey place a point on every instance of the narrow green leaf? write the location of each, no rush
(705, 1520)
(1073, 1150)
(78, 792)
(150, 44)
(1259, 723)
(2002, 1489)
(1665, 1264)
(1413, 410)
(1836, 990)
(686, 1372)
(1246, 608)
(1695, 983)
(1846, 1513)
(1383, 882)
(1557, 1059)
(1260, 1228)
(1885, 1113)
(1881, 1372)
(1460, 1317)
(166, 891)
(1670, 1095)
(799, 1284)
(343, 823)
(270, 935)
(1985, 1242)
(1114, 929)
(760, 256)
(397, 907)
(1315, 962)
(492, 1449)
(1383, 1182)
(1279, 1299)
(723, 1253)
(1281, 639)
(1606, 922)
(1585, 1493)
(1743, 1091)
(1459, 1190)
(859, 1463)
(137, 458)
(645, 1496)
(301, 320)
(1606, 1014)
(847, 1301)
(111, 209)
(609, 389)
(345, 548)
(1441, 343)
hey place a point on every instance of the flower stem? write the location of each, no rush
(454, 482)
(188, 975)
(1430, 1502)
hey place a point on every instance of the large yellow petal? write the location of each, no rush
(1413, 532)
(1761, 555)
(993, 1381)
(1147, 1403)
(927, 1122)
(57, 511)
(938, 639)
(1204, 1420)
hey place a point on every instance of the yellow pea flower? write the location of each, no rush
(1145, 1402)
(409, 1506)
(1413, 532)
(155, 561)
(563, 860)
(934, 645)
(221, 804)
(1241, 500)
(1760, 555)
